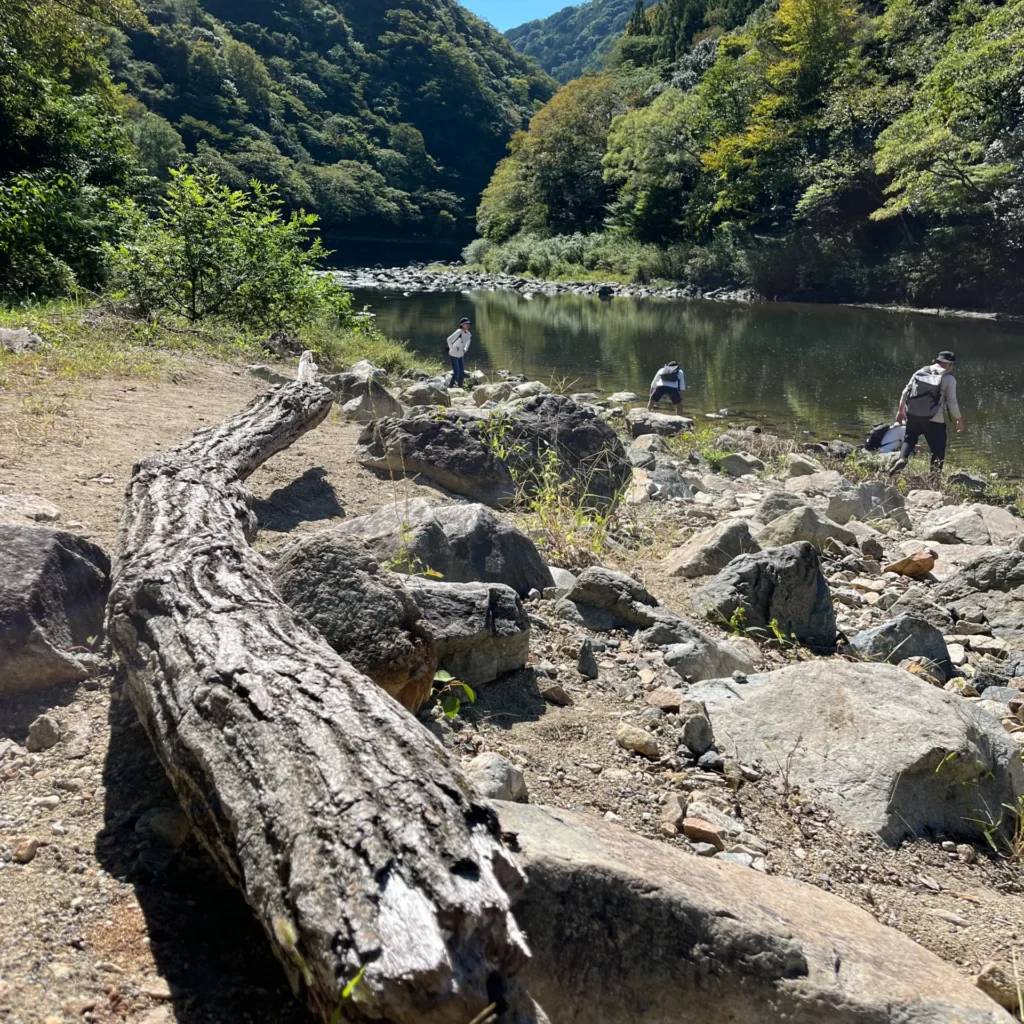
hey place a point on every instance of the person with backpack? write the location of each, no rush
(458, 346)
(670, 383)
(924, 403)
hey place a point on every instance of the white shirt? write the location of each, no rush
(659, 383)
(459, 342)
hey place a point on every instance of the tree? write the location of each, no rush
(638, 23)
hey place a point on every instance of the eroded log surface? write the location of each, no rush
(353, 839)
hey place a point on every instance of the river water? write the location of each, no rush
(802, 370)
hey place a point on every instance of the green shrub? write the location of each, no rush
(215, 253)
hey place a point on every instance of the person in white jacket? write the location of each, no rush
(458, 346)
(669, 383)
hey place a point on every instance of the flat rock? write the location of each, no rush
(23, 509)
(885, 752)
(971, 524)
(920, 563)
(777, 504)
(710, 551)
(643, 422)
(827, 483)
(646, 932)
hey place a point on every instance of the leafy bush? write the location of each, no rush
(212, 252)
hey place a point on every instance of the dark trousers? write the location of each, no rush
(458, 371)
(933, 433)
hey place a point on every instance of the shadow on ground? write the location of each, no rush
(310, 498)
(19, 711)
(511, 699)
(203, 937)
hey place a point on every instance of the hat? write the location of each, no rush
(465, 320)
(945, 357)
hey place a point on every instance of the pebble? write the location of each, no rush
(555, 694)
(742, 859)
(25, 850)
(967, 853)
(156, 988)
(43, 734)
(630, 737)
(704, 832)
(46, 802)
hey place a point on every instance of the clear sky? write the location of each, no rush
(506, 14)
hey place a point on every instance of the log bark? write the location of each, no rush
(354, 840)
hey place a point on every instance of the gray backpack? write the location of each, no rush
(924, 397)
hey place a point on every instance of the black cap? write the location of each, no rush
(465, 320)
(945, 357)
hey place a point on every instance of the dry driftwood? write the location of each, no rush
(355, 842)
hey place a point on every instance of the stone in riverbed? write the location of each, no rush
(710, 551)
(903, 637)
(496, 778)
(643, 422)
(804, 524)
(741, 464)
(637, 740)
(991, 587)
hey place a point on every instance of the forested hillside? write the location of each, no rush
(818, 149)
(575, 39)
(386, 117)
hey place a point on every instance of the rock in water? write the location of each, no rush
(782, 585)
(886, 752)
(481, 630)
(711, 551)
(903, 637)
(440, 451)
(53, 591)
(990, 587)
(364, 613)
(772, 945)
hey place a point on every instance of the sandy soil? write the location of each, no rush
(116, 918)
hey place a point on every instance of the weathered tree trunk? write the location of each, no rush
(355, 842)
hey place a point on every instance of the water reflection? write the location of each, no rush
(825, 369)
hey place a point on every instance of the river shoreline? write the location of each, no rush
(426, 279)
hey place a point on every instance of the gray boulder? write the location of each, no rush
(781, 585)
(886, 752)
(361, 393)
(485, 393)
(796, 464)
(19, 340)
(872, 499)
(903, 637)
(364, 612)
(826, 483)
(623, 600)
(643, 422)
(439, 450)
(991, 587)
(496, 778)
(804, 524)
(919, 603)
(777, 504)
(481, 630)
(741, 464)
(464, 543)
(653, 443)
(971, 524)
(425, 392)
(708, 552)
(646, 932)
(374, 405)
(870, 541)
(53, 593)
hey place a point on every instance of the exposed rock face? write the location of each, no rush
(481, 630)
(364, 613)
(903, 637)
(804, 524)
(439, 450)
(643, 422)
(590, 453)
(991, 587)
(784, 585)
(711, 551)
(464, 543)
(971, 524)
(53, 591)
(885, 751)
(762, 941)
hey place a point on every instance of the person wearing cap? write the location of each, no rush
(458, 346)
(925, 401)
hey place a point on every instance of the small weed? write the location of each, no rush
(448, 688)
(405, 562)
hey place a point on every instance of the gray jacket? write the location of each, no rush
(948, 392)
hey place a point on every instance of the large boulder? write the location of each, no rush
(826, 483)
(53, 592)
(989, 587)
(462, 543)
(439, 450)
(872, 499)
(361, 393)
(886, 752)
(804, 524)
(591, 456)
(643, 422)
(971, 524)
(782, 585)
(499, 392)
(425, 392)
(918, 602)
(480, 630)
(646, 932)
(364, 612)
(905, 636)
(777, 504)
(710, 551)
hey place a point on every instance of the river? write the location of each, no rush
(802, 370)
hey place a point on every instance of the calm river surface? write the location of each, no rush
(823, 370)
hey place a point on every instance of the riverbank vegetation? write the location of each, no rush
(806, 149)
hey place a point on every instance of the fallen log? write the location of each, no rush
(361, 850)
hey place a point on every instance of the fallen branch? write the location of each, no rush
(355, 842)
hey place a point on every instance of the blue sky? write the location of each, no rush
(506, 14)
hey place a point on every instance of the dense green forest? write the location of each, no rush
(821, 149)
(575, 39)
(385, 117)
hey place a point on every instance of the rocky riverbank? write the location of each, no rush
(748, 684)
(457, 278)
